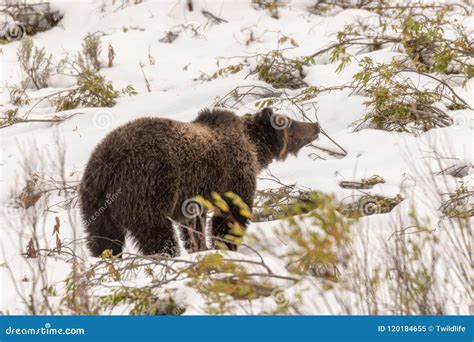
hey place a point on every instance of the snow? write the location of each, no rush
(400, 158)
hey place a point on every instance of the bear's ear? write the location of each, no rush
(266, 113)
(264, 116)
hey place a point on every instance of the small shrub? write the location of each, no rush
(281, 72)
(269, 5)
(431, 42)
(142, 301)
(426, 43)
(316, 237)
(283, 202)
(460, 203)
(231, 69)
(35, 63)
(92, 91)
(9, 117)
(396, 104)
(320, 7)
(222, 72)
(18, 96)
(245, 94)
(221, 281)
(91, 50)
(319, 238)
(412, 259)
(77, 297)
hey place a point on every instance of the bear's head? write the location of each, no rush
(276, 135)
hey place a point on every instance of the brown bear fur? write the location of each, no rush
(138, 177)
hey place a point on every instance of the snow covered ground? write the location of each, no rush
(403, 160)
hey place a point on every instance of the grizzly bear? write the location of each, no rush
(138, 178)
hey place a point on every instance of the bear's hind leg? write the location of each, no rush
(104, 234)
(147, 204)
(159, 239)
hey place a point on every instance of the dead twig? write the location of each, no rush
(147, 83)
(212, 18)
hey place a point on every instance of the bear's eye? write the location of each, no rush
(280, 122)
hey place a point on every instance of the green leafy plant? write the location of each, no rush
(282, 72)
(316, 236)
(231, 69)
(319, 237)
(431, 41)
(427, 44)
(396, 104)
(92, 91)
(459, 203)
(9, 117)
(221, 281)
(142, 301)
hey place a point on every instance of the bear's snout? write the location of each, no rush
(301, 134)
(308, 131)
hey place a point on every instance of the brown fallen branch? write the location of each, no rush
(328, 151)
(457, 170)
(370, 205)
(363, 184)
(212, 18)
(331, 152)
(57, 119)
